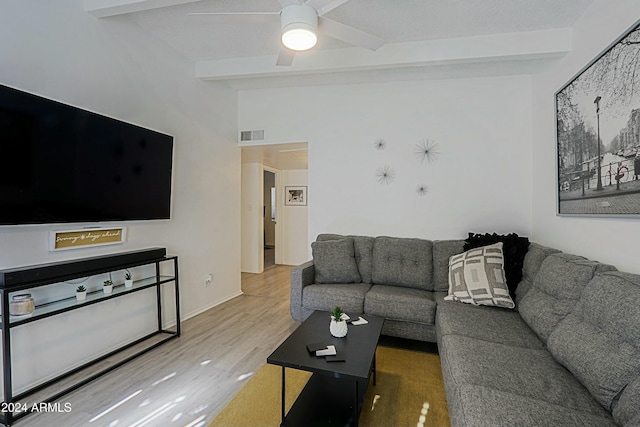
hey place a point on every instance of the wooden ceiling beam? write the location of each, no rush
(495, 48)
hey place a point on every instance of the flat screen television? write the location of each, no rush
(62, 164)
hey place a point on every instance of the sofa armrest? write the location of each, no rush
(301, 276)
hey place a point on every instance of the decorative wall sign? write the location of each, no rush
(295, 196)
(598, 134)
(88, 237)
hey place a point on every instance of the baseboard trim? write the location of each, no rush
(210, 306)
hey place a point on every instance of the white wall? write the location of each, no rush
(480, 182)
(294, 220)
(252, 225)
(611, 240)
(56, 50)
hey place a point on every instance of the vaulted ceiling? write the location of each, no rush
(439, 37)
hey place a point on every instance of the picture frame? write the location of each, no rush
(295, 195)
(598, 134)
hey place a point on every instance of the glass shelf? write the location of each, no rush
(71, 270)
(68, 304)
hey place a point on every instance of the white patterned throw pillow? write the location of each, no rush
(477, 277)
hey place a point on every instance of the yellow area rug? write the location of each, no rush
(409, 391)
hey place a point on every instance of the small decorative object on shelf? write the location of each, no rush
(21, 305)
(128, 281)
(81, 293)
(107, 286)
(338, 325)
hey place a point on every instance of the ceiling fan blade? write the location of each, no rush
(325, 6)
(236, 17)
(349, 34)
(285, 57)
(234, 13)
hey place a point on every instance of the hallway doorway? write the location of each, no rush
(270, 208)
(264, 209)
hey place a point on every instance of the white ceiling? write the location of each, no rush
(418, 34)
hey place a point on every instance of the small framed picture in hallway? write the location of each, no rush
(598, 133)
(295, 196)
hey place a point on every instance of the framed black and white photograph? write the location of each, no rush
(598, 133)
(295, 196)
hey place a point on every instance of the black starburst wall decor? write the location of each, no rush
(422, 189)
(385, 175)
(380, 144)
(426, 150)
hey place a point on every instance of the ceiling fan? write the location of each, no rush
(300, 23)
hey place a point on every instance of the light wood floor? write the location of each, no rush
(187, 381)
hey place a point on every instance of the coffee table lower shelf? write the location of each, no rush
(326, 401)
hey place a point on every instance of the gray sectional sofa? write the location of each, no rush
(567, 355)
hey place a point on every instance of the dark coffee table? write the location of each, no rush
(335, 392)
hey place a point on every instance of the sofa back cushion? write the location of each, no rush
(442, 251)
(363, 247)
(400, 261)
(335, 262)
(599, 341)
(532, 262)
(555, 290)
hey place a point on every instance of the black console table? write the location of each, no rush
(31, 277)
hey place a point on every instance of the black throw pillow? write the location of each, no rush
(514, 249)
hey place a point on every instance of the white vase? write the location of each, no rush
(107, 289)
(128, 283)
(81, 296)
(338, 329)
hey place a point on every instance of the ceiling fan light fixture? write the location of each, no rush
(297, 37)
(299, 25)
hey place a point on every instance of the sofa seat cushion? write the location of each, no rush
(485, 323)
(556, 289)
(525, 372)
(599, 341)
(403, 262)
(335, 261)
(484, 406)
(396, 303)
(363, 248)
(348, 296)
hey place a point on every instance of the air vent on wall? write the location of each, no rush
(252, 135)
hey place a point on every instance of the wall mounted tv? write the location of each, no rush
(61, 164)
